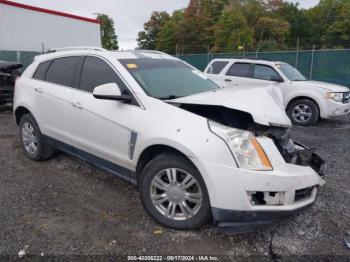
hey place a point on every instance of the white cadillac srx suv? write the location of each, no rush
(196, 151)
(305, 101)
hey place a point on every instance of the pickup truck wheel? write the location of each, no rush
(303, 112)
(34, 143)
(174, 193)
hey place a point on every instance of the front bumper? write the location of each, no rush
(248, 221)
(334, 109)
(246, 199)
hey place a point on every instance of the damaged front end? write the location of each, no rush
(292, 152)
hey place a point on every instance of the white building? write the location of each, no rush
(34, 29)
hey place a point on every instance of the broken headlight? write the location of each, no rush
(245, 148)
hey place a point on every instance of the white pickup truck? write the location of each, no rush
(305, 101)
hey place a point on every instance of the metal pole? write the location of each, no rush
(257, 50)
(18, 57)
(208, 54)
(297, 54)
(312, 61)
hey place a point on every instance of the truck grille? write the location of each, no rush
(346, 98)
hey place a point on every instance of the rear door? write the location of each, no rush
(213, 72)
(239, 73)
(54, 82)
(100, 127)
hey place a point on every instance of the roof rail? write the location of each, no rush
(53, 50)
(249, 58)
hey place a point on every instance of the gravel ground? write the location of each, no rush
(65, 207)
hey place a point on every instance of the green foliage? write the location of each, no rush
(148, 38)
(232, 32)
(233, 25)
(108, 35)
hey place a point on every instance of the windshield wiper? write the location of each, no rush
(170, 97)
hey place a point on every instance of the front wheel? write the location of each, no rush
(303, 112)
(174, 193)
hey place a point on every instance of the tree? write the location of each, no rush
(168, 36)
(108, 35)
(273, 29)
(147, 39)
(338, 32)
(232, 32)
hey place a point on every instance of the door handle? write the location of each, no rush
(77, 105)
(38, 89)
(228, 80)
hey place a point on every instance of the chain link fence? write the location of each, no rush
(331, 66)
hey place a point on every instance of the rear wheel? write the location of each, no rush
(34, 143)
(174, 193)
(303, 112)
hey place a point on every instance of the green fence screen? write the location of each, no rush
(331, 66)
(25, 58)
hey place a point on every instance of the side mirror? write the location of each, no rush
(277, 79)
(111, 91)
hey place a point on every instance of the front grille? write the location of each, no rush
(303, 194)
(346, 98)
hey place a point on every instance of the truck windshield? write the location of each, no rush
(167, 79)
(291, 73)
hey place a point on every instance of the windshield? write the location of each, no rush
(291, 73)
(167, 79)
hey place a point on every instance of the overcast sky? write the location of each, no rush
(129, 15)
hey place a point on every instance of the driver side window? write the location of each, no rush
(96, 72)
(265, 73)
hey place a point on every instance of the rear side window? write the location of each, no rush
(40, 72)
(264, 72)
(97, 72)
(63, 71)
(216, 67)
(240, 70)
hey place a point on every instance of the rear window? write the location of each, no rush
(240, 70)
(216, 67)
(62, 71)
(40, 72)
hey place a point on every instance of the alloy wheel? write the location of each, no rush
(176, 194)
(29, 138)
(302, 113)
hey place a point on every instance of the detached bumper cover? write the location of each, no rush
(307, 157)
(247, 221)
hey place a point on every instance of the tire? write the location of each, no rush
(30, 135)
(303, 112)
(157, 167)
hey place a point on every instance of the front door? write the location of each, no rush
(100, 127)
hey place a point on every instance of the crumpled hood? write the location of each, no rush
(317, 84)
(263, 104)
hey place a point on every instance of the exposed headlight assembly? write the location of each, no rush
(245, 148)
(337, 97)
